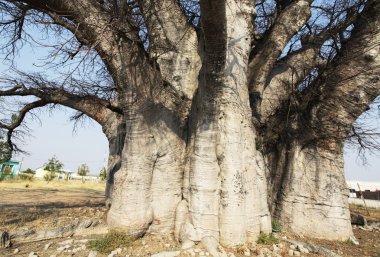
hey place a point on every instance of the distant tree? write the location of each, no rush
(52, 166)
(29, 171)
(103, 173)
(83, 170)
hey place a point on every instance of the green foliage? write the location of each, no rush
(83, 170)
(267, 239)
(5, 151)
(109, 242)
(103, 173)
(49, 176)
(28, 171)
(276, 226)
(53, 166)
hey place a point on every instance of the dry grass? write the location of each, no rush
(374, 213)
(42, 184)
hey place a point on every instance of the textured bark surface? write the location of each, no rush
(309, 192)
(216, 123)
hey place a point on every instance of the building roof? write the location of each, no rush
(10, 163)
(364, 185)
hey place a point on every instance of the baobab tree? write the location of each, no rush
(220, 115)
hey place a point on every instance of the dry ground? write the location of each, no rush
(39, 206)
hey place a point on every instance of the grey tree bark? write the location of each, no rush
(212, 131)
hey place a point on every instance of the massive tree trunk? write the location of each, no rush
(308, 191)
(212, 132)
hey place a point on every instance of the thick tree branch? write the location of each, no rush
(268, 50)
(116, 39)
(173, 43)
(352, 80)
(96, 108)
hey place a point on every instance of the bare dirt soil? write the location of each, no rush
(41, 206)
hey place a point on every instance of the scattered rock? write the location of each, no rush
(92, 254)
(16, 251)
(33, 254)
(67, 242)
(293, 247)
(63, 248)
(297, 253)
(85, 224)
(5, 239)
(247, 252)
(82, 241)
(358, 220)
(47, 246)
(290, 252)
(166, 254)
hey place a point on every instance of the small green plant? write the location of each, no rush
(276, 226)
(267, 239)
(109, 242)
(349, 242)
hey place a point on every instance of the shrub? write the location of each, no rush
(267, 239)
(276, 226)
(109, 242)
(23, 176)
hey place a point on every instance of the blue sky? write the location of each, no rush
(53, 135)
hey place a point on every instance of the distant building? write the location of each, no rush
(62, 174)
(369, 190)
(9, 169)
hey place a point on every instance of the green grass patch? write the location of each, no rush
(276, 226)
(111, 241)
(267, 239)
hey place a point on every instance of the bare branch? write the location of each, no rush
(268, 50)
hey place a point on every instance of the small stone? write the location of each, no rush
(201, 253)
(354, 240)
(167, 245)
(166, 254)
(143, 242)
(83, 247)
(197, 250)
(146, 246)
(247, 252)
(82, 241)
(67, 242)
(85, 224)
(280, 245)
(290, 252)
(92, 254)
(207, 254)
(112, 254)
(297, 253)
(47, 246)
(292, 247)
(33, 254)
(16, 251)
(118, 250)
(231, 255)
